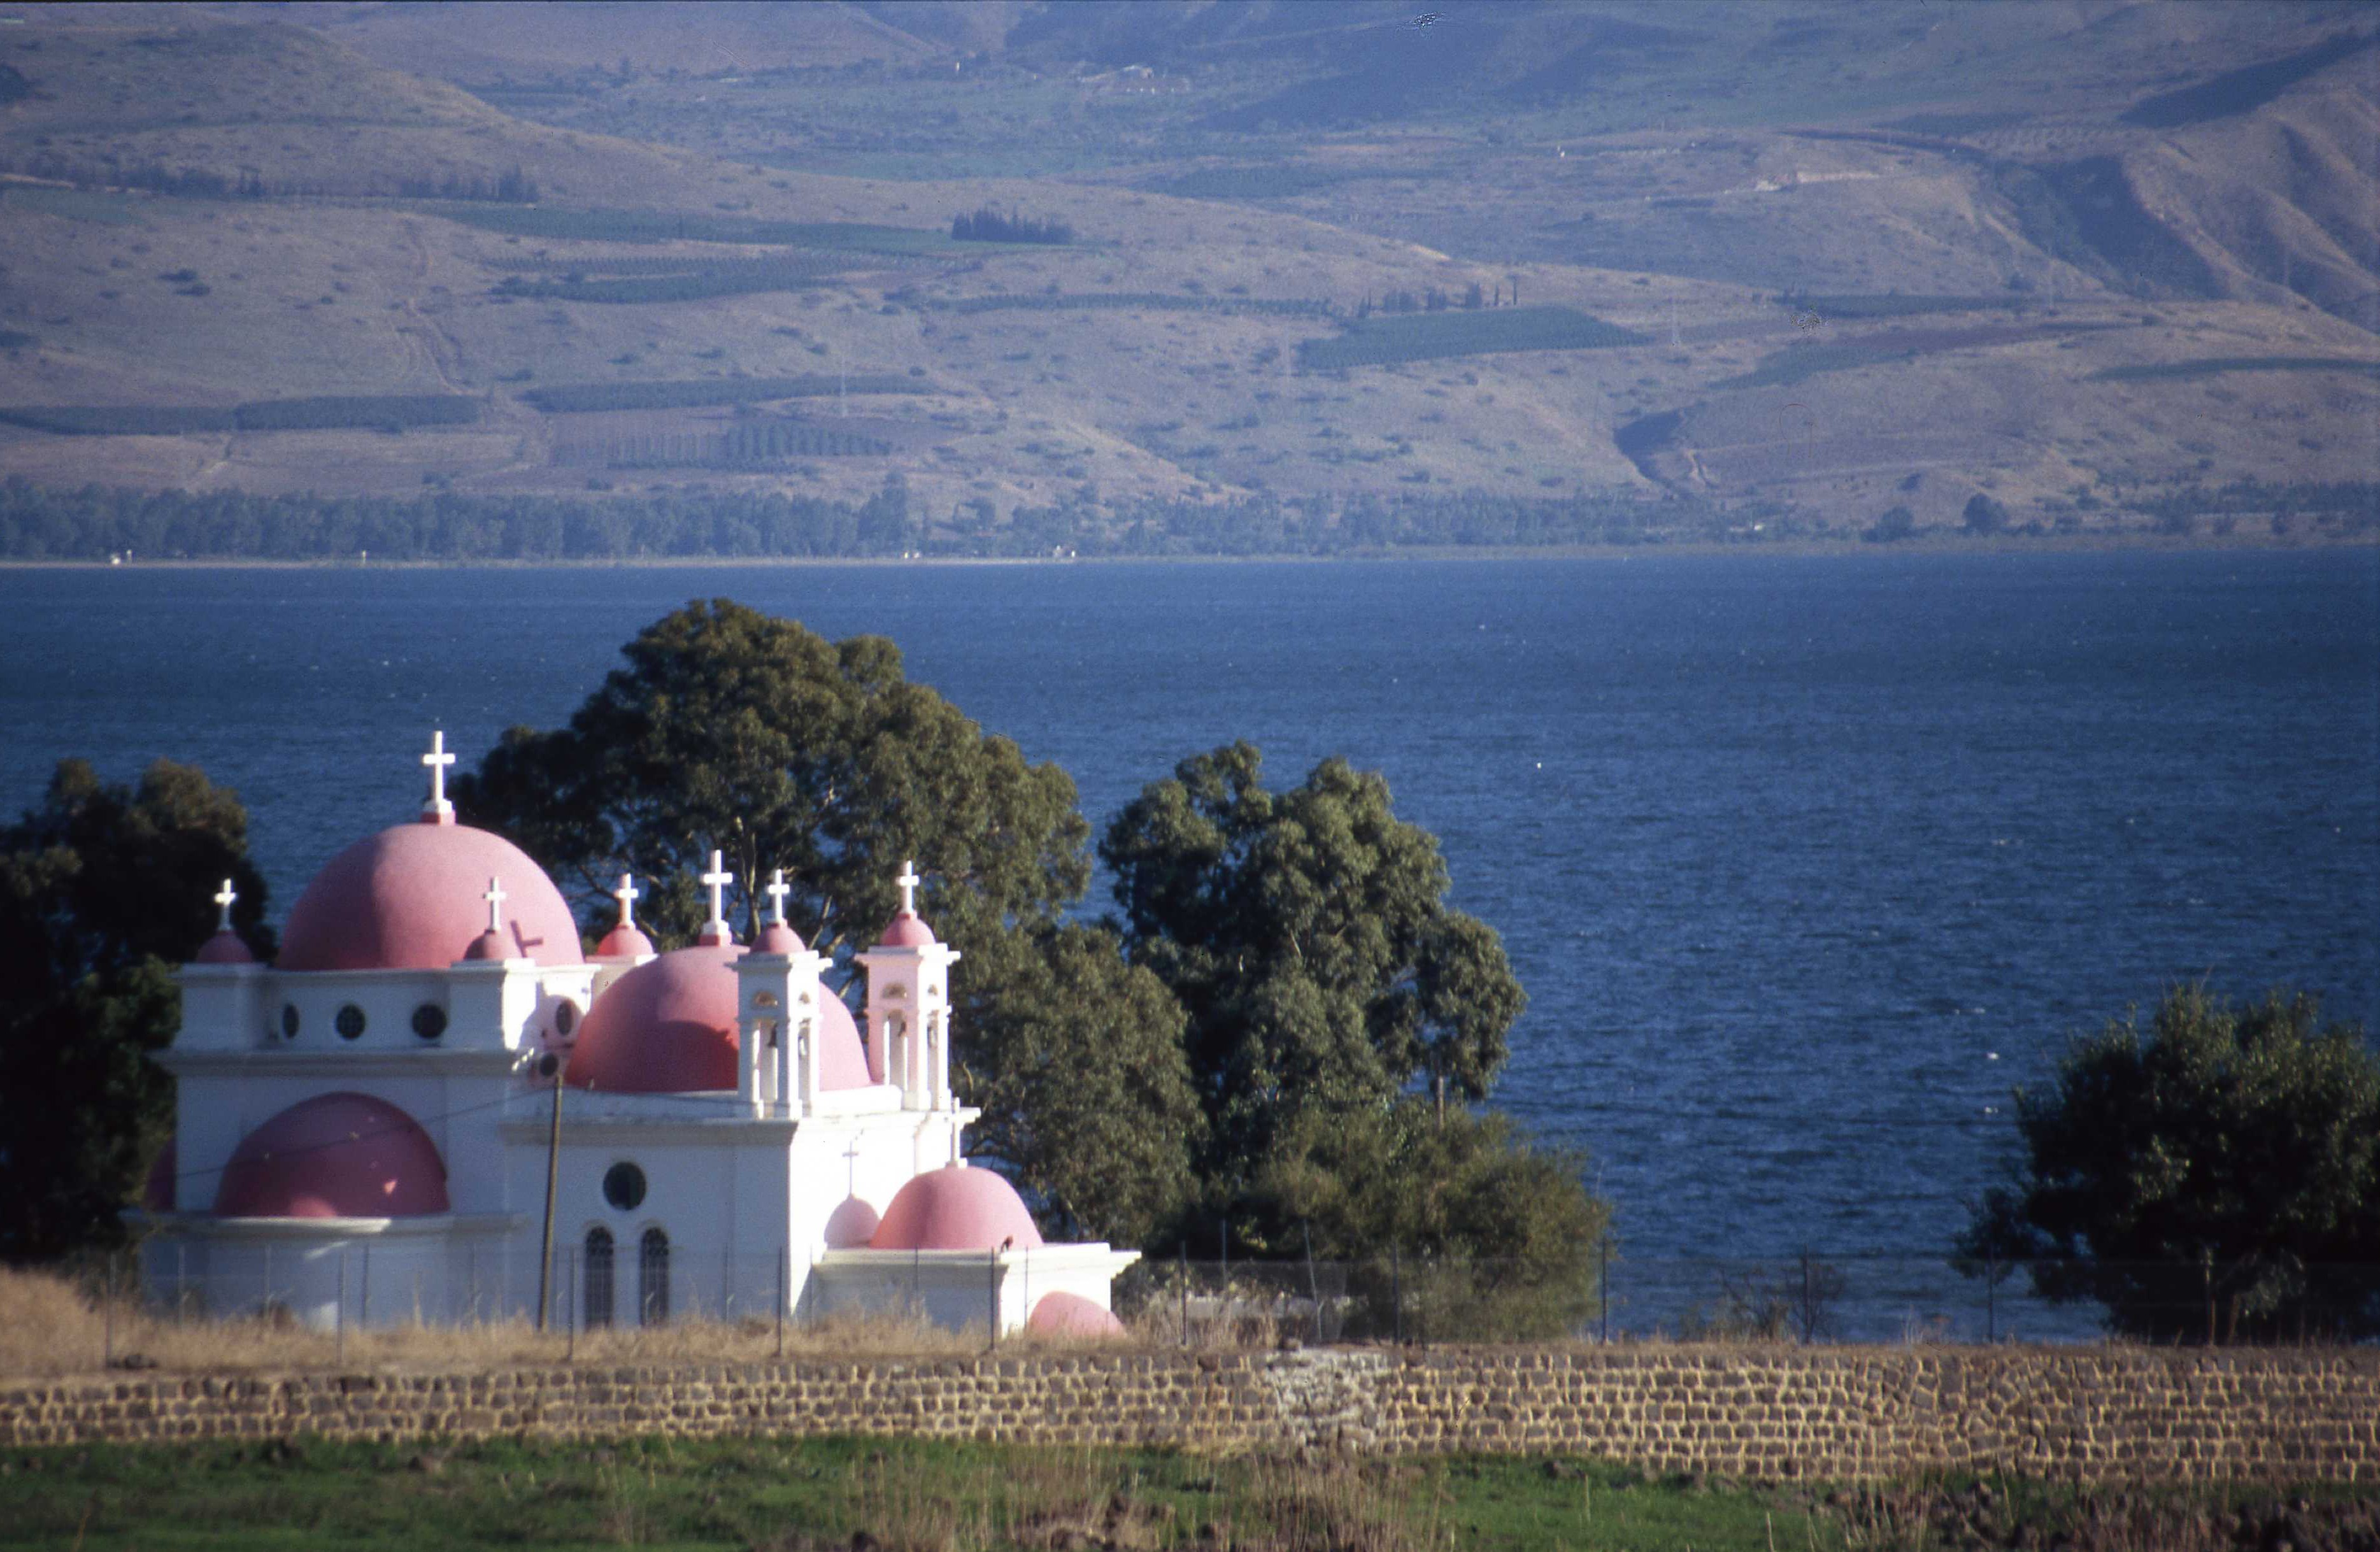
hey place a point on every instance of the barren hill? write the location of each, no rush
(1803, 261)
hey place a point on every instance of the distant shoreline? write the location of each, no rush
(1944, 545)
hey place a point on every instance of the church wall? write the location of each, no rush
(2092, 1414)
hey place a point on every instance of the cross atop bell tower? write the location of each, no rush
(437, 810)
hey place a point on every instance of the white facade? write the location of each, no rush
(371, 1145)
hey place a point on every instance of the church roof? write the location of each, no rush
(1061, 1314)
(334, 1156)
(669, 1027)
(413, 898)
(956, 1208)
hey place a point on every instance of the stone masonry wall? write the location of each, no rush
(2092, 1414)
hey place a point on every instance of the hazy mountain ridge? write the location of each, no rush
(1543, 154)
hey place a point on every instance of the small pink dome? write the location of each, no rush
(410, 897)
(776, 938)
(850, 1225)
(334, 1156)
(1070, 1314)
(224, 948)
(487, 945)
(624, 942)
(668, 1026)
(160, 1194)
(908, 930)
(956, 1208)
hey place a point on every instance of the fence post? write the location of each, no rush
(991, 1293)
(363, 1315)
(181, 1279)
(339, 1315)
(1313, 1289)
(570, 1326)
(266, 1308)
(1603, 1284)
(107, 1319)
(785, 1254)
(1396, 1295)
(1809, 1312)
(1185, 1286)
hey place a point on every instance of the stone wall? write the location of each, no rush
(2094, 1413)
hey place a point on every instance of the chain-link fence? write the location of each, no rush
(1601, 1295)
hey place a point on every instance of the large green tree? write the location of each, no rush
(1307, 936)
(2216, 1176)
(727, 729)
(104, 887)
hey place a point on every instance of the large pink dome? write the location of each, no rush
(411, 898)
(334, 1156)
(957, 1208)
(668, 1026)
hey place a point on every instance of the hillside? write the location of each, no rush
(1797, 264)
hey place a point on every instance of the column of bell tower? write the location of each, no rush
(908, 1017)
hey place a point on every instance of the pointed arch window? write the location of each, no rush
(598, 1280)
(653, 1279)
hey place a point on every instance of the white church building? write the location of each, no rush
(377, 1127)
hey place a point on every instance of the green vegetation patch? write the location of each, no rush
(2213, 365)
(575, 398)
(1276, 180)
(1892, 305)
(557, 224)
(330, 412)
(1425, 337)
(1142, 301)
(692, 283)
(76, 204)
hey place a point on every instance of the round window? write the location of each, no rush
(624, 1186)
(350, 1021)
(565, 1018)
(289, 1021)
(429, 1021)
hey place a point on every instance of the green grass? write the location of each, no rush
(799, 1495)
(556, 223)
(768, 1492)
(2214, 365)
(738, 278)
(572, 398)
(1428, 337)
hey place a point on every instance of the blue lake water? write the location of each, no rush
(1805, 860)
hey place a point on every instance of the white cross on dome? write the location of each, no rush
(628, 895)
(223, 897)
(718, 879)
(438, 760)
(908, 880)
(776, 891)
(496, 899)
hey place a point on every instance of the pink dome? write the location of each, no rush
(776, 938)
(908, 930)
(224, 948)
(957, 1208)
(160, 1194)
(334, 1156)
(1070, 1314)
(668, 1026)
(410, 897)
(850, 1225)
(624, 942)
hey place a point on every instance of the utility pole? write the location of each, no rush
(552, 1170)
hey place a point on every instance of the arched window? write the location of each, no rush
(598, 1300)
(653, 1279)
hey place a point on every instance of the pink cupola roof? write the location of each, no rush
(1061, 1314)
(849, 1226)
(776, 938)
(668, 1026)
(957, 1208)
(413, 898)
(334, 1156)
(626, 940)
(908, 930)
(225, 947)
